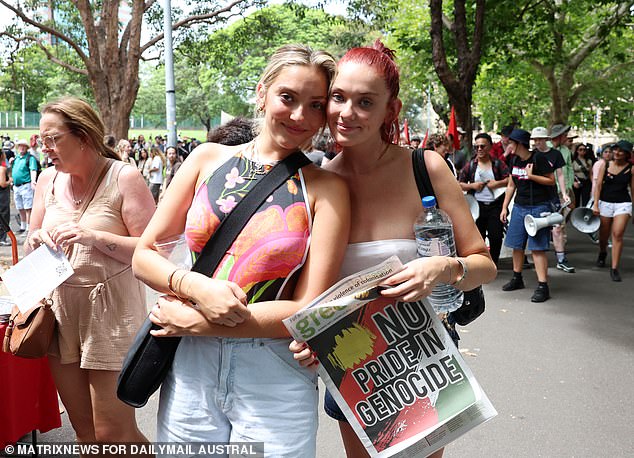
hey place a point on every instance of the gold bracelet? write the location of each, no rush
(464, 272)
(170, 277)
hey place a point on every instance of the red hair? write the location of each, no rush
(381, 59)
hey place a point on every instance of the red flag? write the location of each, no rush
(453, 129)
(424, 144)
(406, 130)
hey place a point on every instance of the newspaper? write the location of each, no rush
(36, 275)
(391, 366)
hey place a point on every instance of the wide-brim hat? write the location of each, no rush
(558, 129)
(22, 142)
(521, 136)
(540, 132)
(624, 145)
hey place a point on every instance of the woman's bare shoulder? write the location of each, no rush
(322, 177)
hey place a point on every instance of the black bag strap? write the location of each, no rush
(423, 182)
(234, 222)
(473, 302)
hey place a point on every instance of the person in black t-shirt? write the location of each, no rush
(532, 177)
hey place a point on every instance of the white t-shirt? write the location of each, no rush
(156, 177)
(486, 195)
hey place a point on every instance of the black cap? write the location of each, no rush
(506, 131)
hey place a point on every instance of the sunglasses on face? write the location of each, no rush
(49, 141)
(481, 146)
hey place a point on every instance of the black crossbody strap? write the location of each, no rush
(234, 222)
(423, 182)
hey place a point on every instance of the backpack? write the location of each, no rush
(473, 302)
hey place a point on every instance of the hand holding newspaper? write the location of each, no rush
(391, 366)
(36, 275)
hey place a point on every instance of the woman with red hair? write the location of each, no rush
(363, 110)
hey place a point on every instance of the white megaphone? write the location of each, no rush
(533, 224)
(584, 220)
(474, 208)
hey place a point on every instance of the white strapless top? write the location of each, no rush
(360, 256)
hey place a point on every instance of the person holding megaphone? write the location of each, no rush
(532, 177)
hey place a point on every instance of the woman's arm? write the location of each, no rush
(598, 187)
(329, 238)
(136, 211)
(222, 302)
(421, 275)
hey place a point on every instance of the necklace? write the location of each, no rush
(260, 168)
(78, 202)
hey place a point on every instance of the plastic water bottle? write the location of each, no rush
(434, 237)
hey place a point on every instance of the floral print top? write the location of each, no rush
(273, 244)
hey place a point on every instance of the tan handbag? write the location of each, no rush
(29, 335)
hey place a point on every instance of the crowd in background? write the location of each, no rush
(576, 172)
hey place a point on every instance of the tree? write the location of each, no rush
(458, 81)
(88, 38)
(454, 40)
(564, 36)
(220, 72)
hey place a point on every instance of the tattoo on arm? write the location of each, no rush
(111, 246)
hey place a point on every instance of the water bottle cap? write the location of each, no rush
(429, 201)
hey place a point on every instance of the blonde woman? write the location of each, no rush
(124, 149)
(233, 378)
(101, 306)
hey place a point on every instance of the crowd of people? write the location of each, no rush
(544, 171)
(108, 202)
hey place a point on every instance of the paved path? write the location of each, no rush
(559, 373)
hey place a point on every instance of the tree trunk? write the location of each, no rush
(458, 82)
(111, 55)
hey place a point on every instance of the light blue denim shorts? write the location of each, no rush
(240, 390)
(23, 196)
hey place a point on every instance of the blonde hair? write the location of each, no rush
(82, 121)
(119, 148)
(156, 151)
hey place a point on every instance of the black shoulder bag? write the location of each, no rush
(473, 302)
(150, 358)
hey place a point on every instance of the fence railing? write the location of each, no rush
(31, 120)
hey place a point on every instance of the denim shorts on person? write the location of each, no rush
(240, 390)
(23, 196)
(516, 235)
(612, 209)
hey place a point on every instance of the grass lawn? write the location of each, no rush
(133, 133)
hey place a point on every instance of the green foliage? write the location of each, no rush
(221, 71)
(42, 79)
